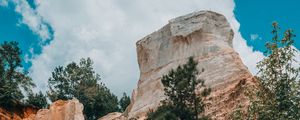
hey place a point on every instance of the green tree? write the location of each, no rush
(12, 79)
(238, 114)
(164, 112)
(124, 102)
(38, 100)
(80, 81)
(180, 88)
(278, 97)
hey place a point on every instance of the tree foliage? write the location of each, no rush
(279, 95)
(124, 102)
(38, 100)
(12, 79)
(164, 112)
(80, 81)
(180, 87)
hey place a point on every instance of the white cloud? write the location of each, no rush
(255, 37)
(29, 18)
(3, 3)
(107, 30)
(248, 56)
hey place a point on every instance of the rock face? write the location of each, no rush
(24, 113)
(59, 110)
(62, 110)
(207, 36)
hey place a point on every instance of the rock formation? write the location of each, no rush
(205, 35)
(59, 110)
(62, 110)
(23, 113)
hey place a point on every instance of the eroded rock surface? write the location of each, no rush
(208, 37)
(62, 110)
(22, 113)
(59, 110)
(205, 35)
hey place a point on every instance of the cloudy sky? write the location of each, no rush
(56, 32)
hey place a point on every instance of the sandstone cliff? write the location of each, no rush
(208, 37)
(62, 110)
(21, 114)
(59, 110)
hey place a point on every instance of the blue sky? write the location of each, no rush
(56, 32)
(256, 17)
(12, 29)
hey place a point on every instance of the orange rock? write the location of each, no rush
(24, 113)
(59, 110)
(62, 110)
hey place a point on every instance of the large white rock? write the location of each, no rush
(205, 35)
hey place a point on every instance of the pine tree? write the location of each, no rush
(180, 88)
(124, 102)
(12, 79)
